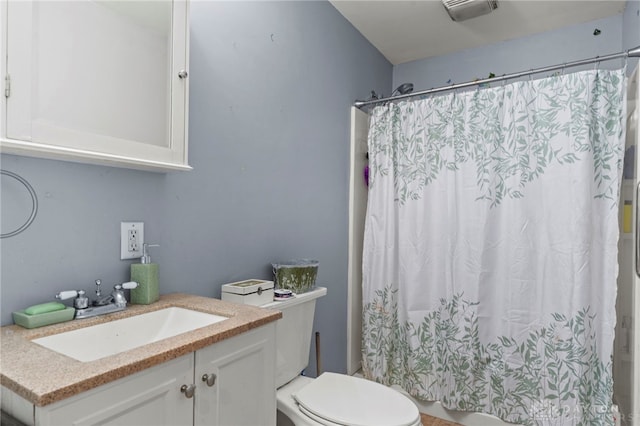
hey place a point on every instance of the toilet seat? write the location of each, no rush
(339, 400)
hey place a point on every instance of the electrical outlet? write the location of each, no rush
(131, 240)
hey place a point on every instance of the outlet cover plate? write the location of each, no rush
(131, 240)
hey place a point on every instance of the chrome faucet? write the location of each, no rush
(118, 295)
(114, 302)
(100, 299)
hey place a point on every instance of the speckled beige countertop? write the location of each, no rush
(43, 376)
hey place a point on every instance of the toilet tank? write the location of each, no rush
(293, 333)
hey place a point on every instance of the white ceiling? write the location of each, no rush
(404, 31)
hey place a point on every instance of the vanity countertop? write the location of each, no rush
(43, 376)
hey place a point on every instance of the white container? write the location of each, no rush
(248, 292)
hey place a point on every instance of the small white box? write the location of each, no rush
(249, 292)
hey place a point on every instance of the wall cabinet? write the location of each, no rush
(233, 383)
(96, 81)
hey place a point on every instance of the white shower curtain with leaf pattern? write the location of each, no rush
(490, 249)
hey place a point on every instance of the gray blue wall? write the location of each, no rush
(271, 86)
(631, 29)
(540, 50)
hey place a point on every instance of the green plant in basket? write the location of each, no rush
(299, 276)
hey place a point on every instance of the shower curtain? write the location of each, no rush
(490, 248)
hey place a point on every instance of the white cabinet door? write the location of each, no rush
(243, 393)
(98, 81)
(151, 397)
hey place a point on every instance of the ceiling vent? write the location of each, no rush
(461, 10)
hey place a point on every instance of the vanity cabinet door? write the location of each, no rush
(241, 372)
(97, 81)
(151, 397)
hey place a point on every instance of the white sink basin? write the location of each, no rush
(102, 340)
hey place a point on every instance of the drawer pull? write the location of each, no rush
(209, 379)
(188, 390)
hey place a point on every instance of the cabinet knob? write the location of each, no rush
(188, 390)
(183, 74)
(209, 379)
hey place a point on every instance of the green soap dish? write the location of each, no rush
(40, 320)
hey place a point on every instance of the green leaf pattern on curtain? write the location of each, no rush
(443, 359)
(510, 148)
(489, 148)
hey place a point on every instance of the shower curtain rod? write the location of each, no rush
(631, 53)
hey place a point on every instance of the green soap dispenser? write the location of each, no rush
(145, 274)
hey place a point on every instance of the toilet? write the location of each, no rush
(331, 399)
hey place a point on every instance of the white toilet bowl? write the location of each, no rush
(331, 399)
(340, 400)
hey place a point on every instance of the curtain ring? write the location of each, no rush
(564, 66)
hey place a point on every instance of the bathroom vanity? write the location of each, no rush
(204, 376)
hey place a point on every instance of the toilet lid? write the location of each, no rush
(346, 400)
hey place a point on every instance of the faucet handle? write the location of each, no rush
(68, 294)
(118, 295)
(129, 285)
(81, 302)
